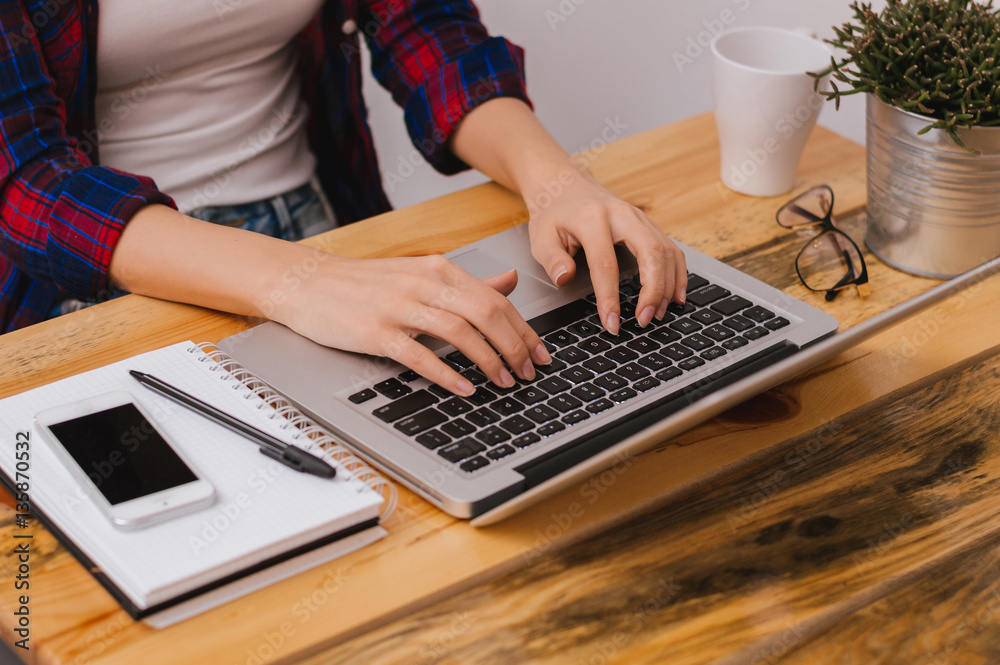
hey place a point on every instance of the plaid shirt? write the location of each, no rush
(61, 213)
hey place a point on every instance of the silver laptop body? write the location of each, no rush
(322, 381)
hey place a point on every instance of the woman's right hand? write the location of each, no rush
(379, 307)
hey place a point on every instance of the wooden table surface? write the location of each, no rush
(847, 516)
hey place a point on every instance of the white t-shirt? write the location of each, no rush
(204, 97)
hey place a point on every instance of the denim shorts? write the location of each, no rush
(294, 215)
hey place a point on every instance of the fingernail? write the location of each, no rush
(646, 316)
(528, 370)
(506, 380)
(560, 271)
(542, 354)
(612, 323)
(465, 387)
(661, 311)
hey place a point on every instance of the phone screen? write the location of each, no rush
(122, 453)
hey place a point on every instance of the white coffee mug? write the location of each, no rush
(765, 105)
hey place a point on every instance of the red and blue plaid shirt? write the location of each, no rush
(61, 212)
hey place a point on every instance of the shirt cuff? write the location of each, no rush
(493, 68)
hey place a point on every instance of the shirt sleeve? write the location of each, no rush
(439, 63)
(60, 215)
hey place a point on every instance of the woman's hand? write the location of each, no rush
(585, 214)
(379, 307)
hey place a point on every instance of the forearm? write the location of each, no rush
(165, 254)
(503, 139)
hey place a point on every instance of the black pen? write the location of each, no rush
(292, 456)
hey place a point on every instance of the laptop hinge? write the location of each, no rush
(573, 452)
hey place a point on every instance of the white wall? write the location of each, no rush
(642, 62)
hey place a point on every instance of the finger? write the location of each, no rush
(424, 362)
(680, 275)
(656, 275)
(600, 250)
(504, 283)
(505, 329)
(550, 252)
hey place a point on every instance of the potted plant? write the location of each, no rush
(931, 73)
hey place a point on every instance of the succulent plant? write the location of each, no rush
(937, 58)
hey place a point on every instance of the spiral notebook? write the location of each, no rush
(269, 521)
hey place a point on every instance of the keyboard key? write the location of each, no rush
(572, 355)
(599, 364)
(718, 333)
(665, 335)
(392, 388)
(424, 420)
(460, 450)
(405, 406)
(621, 355)
(456, 406)
(555, 366)
(756, 333)
(677, 352)
(622, 336)
(707, 295)
(713, 353)
(628, 288)
(492, 436)
(669, 373)
(584, 329)
(541, 413)
(587, 392)
(691, 363)
(599, 406)
(561, 338)
(575, 417)
(646, 384)
(654, 361)
(500, 452)
(526, 440)
(459, 359)
(564, 403)
(776, 324)
(507, 406)
(738, 323)
(409, 376)
(623, 395)
(531, 396)
(695, 282)
(577, 375)
(548, 429)
(697, 342)
(363, 396)
(433, 439)
(632, 372)
(474, 376)
(706, 317)
(734, 343)
(642, 345)
(685, 326)
(594, 345)
(681, 310)
(731, 305)
(610, 381)
(554, 385)
(458, 428)
(517, 424)
(566, 315)
(474, 464)
(483, 395)
(757, 313)
(443, 393)
(632, 327)
(482, 417)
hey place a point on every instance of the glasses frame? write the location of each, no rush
(827, 226)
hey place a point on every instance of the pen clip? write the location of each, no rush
(281, 457)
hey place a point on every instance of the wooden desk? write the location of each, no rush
(847, 516)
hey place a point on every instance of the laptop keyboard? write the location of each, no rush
(592, 372)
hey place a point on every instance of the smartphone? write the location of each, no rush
(124, 463)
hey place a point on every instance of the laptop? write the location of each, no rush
(490, 455)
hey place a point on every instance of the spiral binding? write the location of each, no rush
(306, 432)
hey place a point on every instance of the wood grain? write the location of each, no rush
(429, 557)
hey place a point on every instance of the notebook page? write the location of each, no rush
(263, 508)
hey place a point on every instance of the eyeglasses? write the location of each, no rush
(831, 261)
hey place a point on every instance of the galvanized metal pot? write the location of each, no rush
(933, 208)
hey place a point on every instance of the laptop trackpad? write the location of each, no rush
(481, 264)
